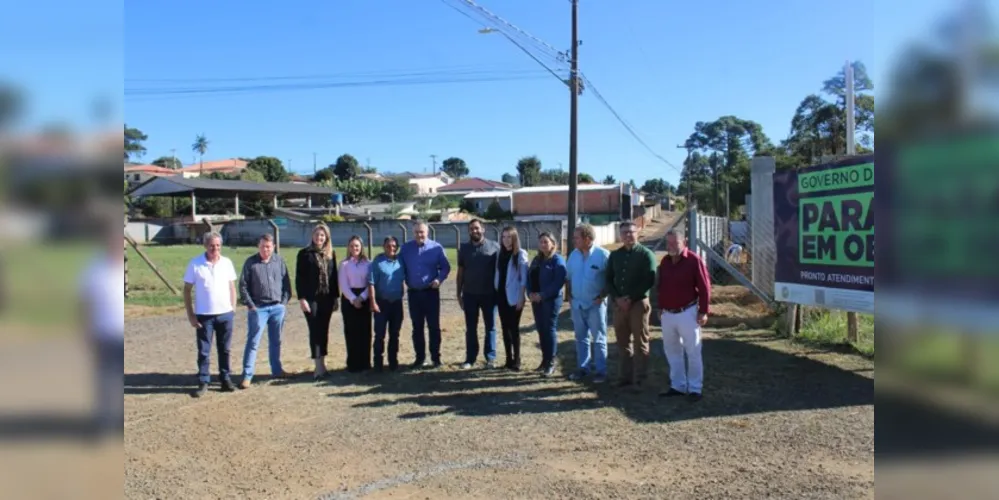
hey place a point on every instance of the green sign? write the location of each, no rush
(837, 230)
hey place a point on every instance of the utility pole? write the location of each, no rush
(314, 170)
(573, 124)
(686, 165)
(434, 159)
(851, 149)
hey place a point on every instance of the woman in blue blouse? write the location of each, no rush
(546, 279)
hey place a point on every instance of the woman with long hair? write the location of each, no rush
(511, 285)
(354, 271)
(545, 281)
(316, 284)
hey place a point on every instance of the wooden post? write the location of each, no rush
(124, 245)
(150, 263)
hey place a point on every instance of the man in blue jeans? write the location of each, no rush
(477, 292)
(264, 288)
(210, 299)
(587, 276)
(425, 267)
(385, 290)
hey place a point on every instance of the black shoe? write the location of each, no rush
(509, 364)
(694, 397)
(671, 393)
(227, 386)
(393, 367)
(418, 364)
(437, 364)
(549, 370)
(200, 391)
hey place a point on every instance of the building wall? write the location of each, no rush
(588, 202)
(427, 185)
(482, 204)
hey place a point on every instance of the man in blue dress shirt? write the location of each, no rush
(425, 267)
(385, 289)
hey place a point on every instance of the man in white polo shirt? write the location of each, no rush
(102, 308)
(212, 278)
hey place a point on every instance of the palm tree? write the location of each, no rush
(200, 146)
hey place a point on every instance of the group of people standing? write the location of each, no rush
(492, 278)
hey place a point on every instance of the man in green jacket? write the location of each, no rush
(630, 276)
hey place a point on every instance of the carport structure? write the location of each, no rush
(192, 188)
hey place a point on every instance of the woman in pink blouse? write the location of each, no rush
(353, 277)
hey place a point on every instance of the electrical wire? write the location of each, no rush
(258, 88)
(451, 70)
(624, 123)
(541, 44)
(511, 39)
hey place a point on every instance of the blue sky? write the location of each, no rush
(663, 65)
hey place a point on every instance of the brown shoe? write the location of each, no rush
(245, 384)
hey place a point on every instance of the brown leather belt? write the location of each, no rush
(682, 309)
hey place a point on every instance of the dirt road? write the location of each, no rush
(776, 421)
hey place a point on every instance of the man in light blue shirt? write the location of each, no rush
(425, 267)
(587, 276)
(385, 287)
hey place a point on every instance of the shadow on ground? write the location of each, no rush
(743, 377)
(908, 428)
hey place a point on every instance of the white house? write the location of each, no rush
(427, 184)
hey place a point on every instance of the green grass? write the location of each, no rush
(146, 289)
(39, 283)
(827, 328)
(950, 357)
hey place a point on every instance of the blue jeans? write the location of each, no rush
(473, 304)
(586, 322)
(389, 318)
(271, 317)
(219, 325)
(546, 320)
(425, 306)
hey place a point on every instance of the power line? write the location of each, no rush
(541, 44)
(257, 88)
(452, 70)
(510, 38)
(624, 123)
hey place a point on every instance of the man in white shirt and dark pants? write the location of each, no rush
(212, 279)
(102, 307)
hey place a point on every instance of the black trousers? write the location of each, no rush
(510, 324)
(357, 333)
(318, 321)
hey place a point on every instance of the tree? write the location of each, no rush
(510, 179)
(346, 167)
(270, 167)
(495, 212)
(529, 171)
(730, 142)
(168, 162)
(609, 180)
(657, 186)
(455, 167)
(397, 190)
(818, 127)
(12, 105)
(586, 179)
(324, 175)
(133, 143)
(200, 146)
(554, 177)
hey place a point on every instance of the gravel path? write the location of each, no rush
(775, 422)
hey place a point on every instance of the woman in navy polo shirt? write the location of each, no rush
(546, 279)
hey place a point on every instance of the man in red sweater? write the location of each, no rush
(684, 294)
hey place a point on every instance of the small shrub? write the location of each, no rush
(332, 218)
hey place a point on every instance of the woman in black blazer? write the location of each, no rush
(318, 290)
